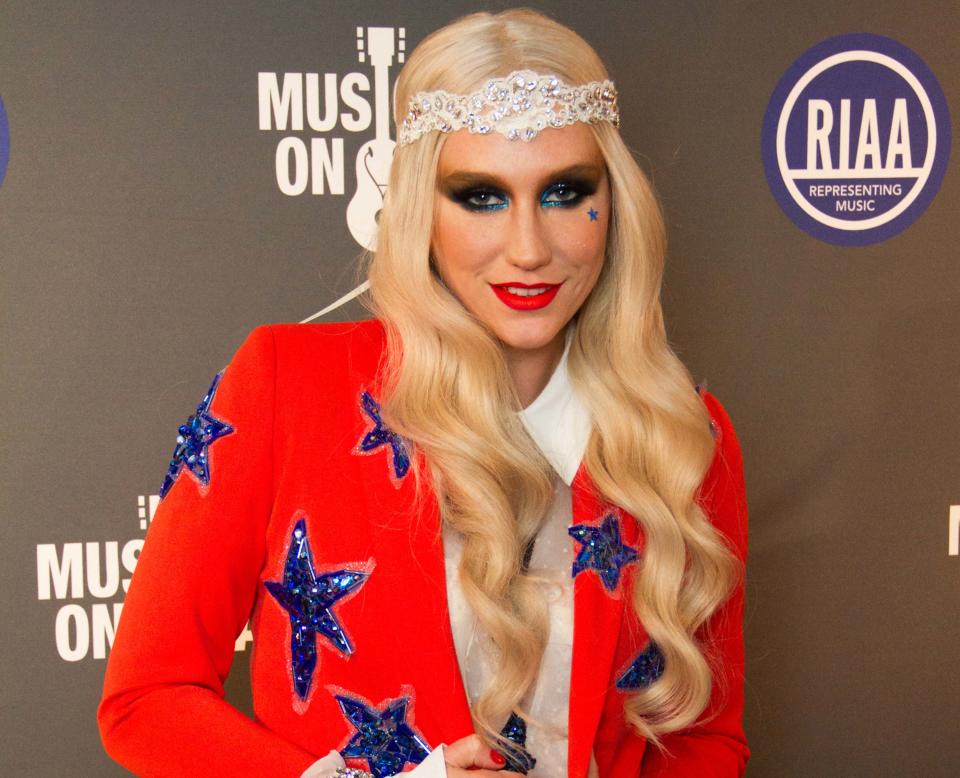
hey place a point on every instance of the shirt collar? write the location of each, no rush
(559, 422)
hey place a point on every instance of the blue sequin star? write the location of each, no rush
(309, 598)
(383, 737)
(192, 451)
(382, 435)
(515, 730)
(593, 215)
(602, 550)
(644, 670)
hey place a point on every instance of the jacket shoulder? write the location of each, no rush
(723, 493)
(302, 349)
(327, 336)
(718, 415)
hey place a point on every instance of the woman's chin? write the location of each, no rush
(527, 342)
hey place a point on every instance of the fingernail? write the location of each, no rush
(498, 759)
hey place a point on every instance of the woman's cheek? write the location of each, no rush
(584, 239)
(597, 231)
(463, 240)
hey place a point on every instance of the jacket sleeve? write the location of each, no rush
(716, 746)
(163, 712)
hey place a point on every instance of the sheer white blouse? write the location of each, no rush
(560, 425)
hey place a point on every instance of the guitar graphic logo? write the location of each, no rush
(374, 157)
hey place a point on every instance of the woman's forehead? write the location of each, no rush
(493, 154)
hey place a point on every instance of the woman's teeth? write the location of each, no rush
(521, 292)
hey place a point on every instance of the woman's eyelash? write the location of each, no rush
(566, 193)
(481, 199)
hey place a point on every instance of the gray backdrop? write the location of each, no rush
(143, 233)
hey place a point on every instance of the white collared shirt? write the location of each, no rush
(559, 422)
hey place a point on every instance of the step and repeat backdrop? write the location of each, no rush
(174, 174)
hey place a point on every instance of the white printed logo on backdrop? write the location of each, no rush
(291, 102)
(88, 581)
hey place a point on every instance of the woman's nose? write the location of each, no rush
(528, 246)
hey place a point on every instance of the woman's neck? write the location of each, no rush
(531, 369)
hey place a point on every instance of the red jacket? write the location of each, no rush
(285, 422)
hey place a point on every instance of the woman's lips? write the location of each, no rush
(526, 297)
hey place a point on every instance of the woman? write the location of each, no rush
(499, 516)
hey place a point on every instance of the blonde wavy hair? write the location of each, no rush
(446, 389)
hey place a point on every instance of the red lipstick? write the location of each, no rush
(541, 297)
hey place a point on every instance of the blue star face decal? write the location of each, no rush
(602, 550)
(308, 598)
(593, 215)
(521, 761)
(383, 736)
(379, 434)
(192, 452)
(646, 668)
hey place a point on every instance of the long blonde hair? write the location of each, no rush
(447, 390)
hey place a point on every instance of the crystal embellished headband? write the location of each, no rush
(518, 106)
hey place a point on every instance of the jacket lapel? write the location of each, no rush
(597, 623)
(448, 717)
(596, 628)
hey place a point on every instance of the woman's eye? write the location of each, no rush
(561, 194)
(482, 200)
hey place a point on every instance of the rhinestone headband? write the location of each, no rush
(518, 106)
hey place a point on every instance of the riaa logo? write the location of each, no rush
(856, 139)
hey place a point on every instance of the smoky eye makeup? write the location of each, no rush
(480, 193)
(567, 193)
(479, 198)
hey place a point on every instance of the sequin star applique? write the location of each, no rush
(646, 668)
(378, 435)
(308, 598)
(383, 736)
(602, 550)
(515, 730)
(192, 452)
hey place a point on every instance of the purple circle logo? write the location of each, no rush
(856, 139)
(4, 142)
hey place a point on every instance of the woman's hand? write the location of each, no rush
(472, 752)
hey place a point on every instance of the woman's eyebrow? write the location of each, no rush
(466, 179)
(463, 179)
(588, 171)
